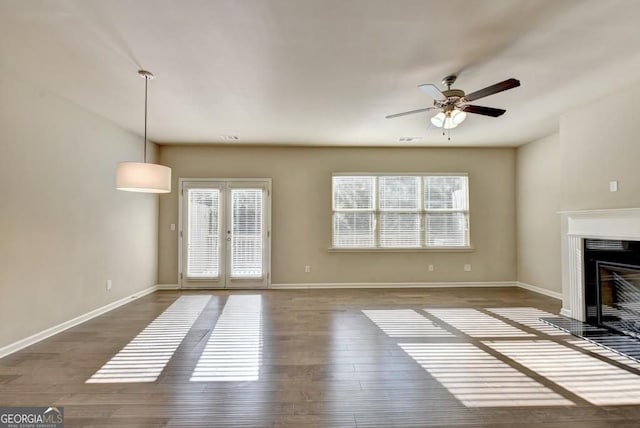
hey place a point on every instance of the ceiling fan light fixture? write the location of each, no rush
(449, 124)
(457, 117)
(449, 119)
(438, 120)
(142, 176)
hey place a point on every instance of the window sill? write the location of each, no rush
(403, 250)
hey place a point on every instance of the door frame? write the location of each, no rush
(267, 213)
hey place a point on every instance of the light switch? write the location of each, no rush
(613, 186)
(173, 227)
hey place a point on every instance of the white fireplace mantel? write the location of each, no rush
(576, 226)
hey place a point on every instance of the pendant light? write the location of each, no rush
(142, 176)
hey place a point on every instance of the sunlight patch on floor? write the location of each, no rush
(475, 323)
(234, 349)
(478, 379)
(405, 323)
(607, 353)
(594, 380)
(144, 358)
(529, 317)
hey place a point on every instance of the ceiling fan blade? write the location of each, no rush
(485, 111)
(493, 89)
(420, 110)
(432, 91)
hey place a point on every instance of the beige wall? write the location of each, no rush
(597, 143)
(601, 142)
(64, 228)
(539, 193)
(301, 228)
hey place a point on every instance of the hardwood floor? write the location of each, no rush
(326, 358)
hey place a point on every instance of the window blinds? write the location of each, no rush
(246, 233)
(353, 217)
(203, 260)
(446, 205)
(400, 211)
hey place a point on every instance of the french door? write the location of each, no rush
(225, 233)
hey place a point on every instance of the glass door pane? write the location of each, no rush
(246, 233)
(202, 243)
(203, 234)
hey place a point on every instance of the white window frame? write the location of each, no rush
(422, 211)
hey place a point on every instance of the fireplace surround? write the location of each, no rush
(579, 226)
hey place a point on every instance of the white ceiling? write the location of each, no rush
(322, 72)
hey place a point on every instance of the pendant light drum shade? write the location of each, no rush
(143, 177)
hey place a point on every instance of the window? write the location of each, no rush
(400, 211)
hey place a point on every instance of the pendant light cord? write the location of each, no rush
(146, 81)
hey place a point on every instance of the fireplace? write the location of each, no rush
(612, 285)
(600, 227)
(600, 252)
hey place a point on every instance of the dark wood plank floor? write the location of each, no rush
(324, 362)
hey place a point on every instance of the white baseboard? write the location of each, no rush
(28, 341)
(393, 285)
(524, 285)
(168, 286)
(539, 290)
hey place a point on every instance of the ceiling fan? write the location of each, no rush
(454, 103)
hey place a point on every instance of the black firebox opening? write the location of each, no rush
(612, 285)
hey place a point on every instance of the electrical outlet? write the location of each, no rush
(307, 269)
(109, 284)
(467, 268)
(431, 268)
(613, 186)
